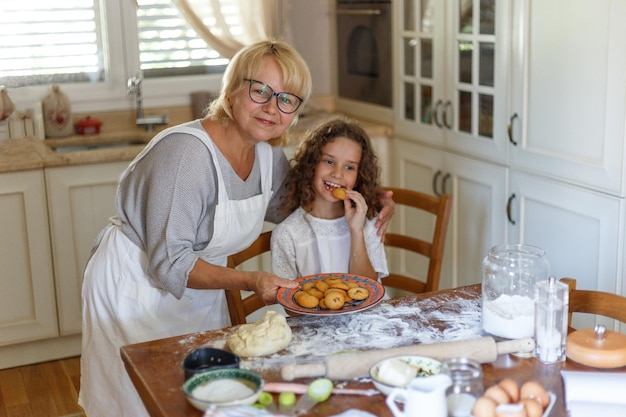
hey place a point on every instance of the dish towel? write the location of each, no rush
(590, 394)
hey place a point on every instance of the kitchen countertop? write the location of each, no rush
(31, 153)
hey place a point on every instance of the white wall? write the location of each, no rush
(313, 34)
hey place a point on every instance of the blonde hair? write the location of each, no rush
(246, 64)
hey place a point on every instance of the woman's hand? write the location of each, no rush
(268, 284)
(385, 215)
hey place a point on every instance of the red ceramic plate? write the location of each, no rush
(376, 293)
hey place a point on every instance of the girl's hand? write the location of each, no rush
(385, 215)
(355, 210)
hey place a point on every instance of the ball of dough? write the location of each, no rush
(264, 337)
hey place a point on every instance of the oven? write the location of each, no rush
(364, 50)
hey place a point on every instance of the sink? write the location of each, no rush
(110, 140)
(95, 146)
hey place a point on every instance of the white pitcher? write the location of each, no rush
(424, 397)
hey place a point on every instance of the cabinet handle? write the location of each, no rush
(446, 107)
(508, 209)
(510, 129)
(435, 178)
(444, 183)
(436, 113)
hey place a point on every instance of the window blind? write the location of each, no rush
(44, 42)
(167, 44)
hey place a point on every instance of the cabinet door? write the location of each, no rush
(578, 228)
(420, 64)
(81, 200)
(568, 83)
(474, 111)
(477, 223)
(451, 87)
(477, 219)
(27, 303)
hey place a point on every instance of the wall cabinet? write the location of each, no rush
(553, 132)
(568, 78)
(52, 216)
(451, 65)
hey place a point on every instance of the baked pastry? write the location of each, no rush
(339, 193)
(358, 293)
(306, 300)
(334, 300)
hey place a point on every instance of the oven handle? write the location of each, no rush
(360, 11)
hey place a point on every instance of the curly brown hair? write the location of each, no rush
(299, 185)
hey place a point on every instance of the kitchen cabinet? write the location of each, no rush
(558, 125)
(580, 229)
(568, 78)
(27, 302)
(567, 153)
(451, 66)
(81, 199)
(478, 190)
(52, 216)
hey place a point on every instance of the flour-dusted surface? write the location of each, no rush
(384, 326)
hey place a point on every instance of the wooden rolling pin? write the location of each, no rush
(357, 364)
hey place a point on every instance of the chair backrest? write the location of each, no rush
(594, 302)
(238, 307)
(433, 250)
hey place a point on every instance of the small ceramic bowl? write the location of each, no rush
(395, 377)
(207, 358)
(227, 387)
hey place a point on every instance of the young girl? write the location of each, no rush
(334, 189)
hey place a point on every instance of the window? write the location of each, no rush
(92, 47)
(50, 42)
(168, 46)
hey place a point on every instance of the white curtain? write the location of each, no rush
(260, 19)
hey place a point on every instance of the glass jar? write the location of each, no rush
(510, 272)
(467, 385)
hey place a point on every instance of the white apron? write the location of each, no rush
(122, 306)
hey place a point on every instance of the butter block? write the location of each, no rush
(396, 372)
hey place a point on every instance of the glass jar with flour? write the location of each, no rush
(510, 272)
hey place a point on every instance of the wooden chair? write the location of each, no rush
(594, 302)
(433, 250)
(238, 307)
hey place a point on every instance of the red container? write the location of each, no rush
(88, 126)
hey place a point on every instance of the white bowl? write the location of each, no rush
(424, 367)
(223, 388)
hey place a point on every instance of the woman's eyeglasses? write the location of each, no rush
(262, 93)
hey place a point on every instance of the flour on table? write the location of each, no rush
(385, 326)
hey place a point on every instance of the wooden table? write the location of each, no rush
(155, 366)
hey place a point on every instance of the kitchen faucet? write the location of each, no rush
(134, 87)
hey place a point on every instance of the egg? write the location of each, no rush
(533, 408)
(511, 410)
(484, 407)
(534, 390)
(511, 387)
(497, 394)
